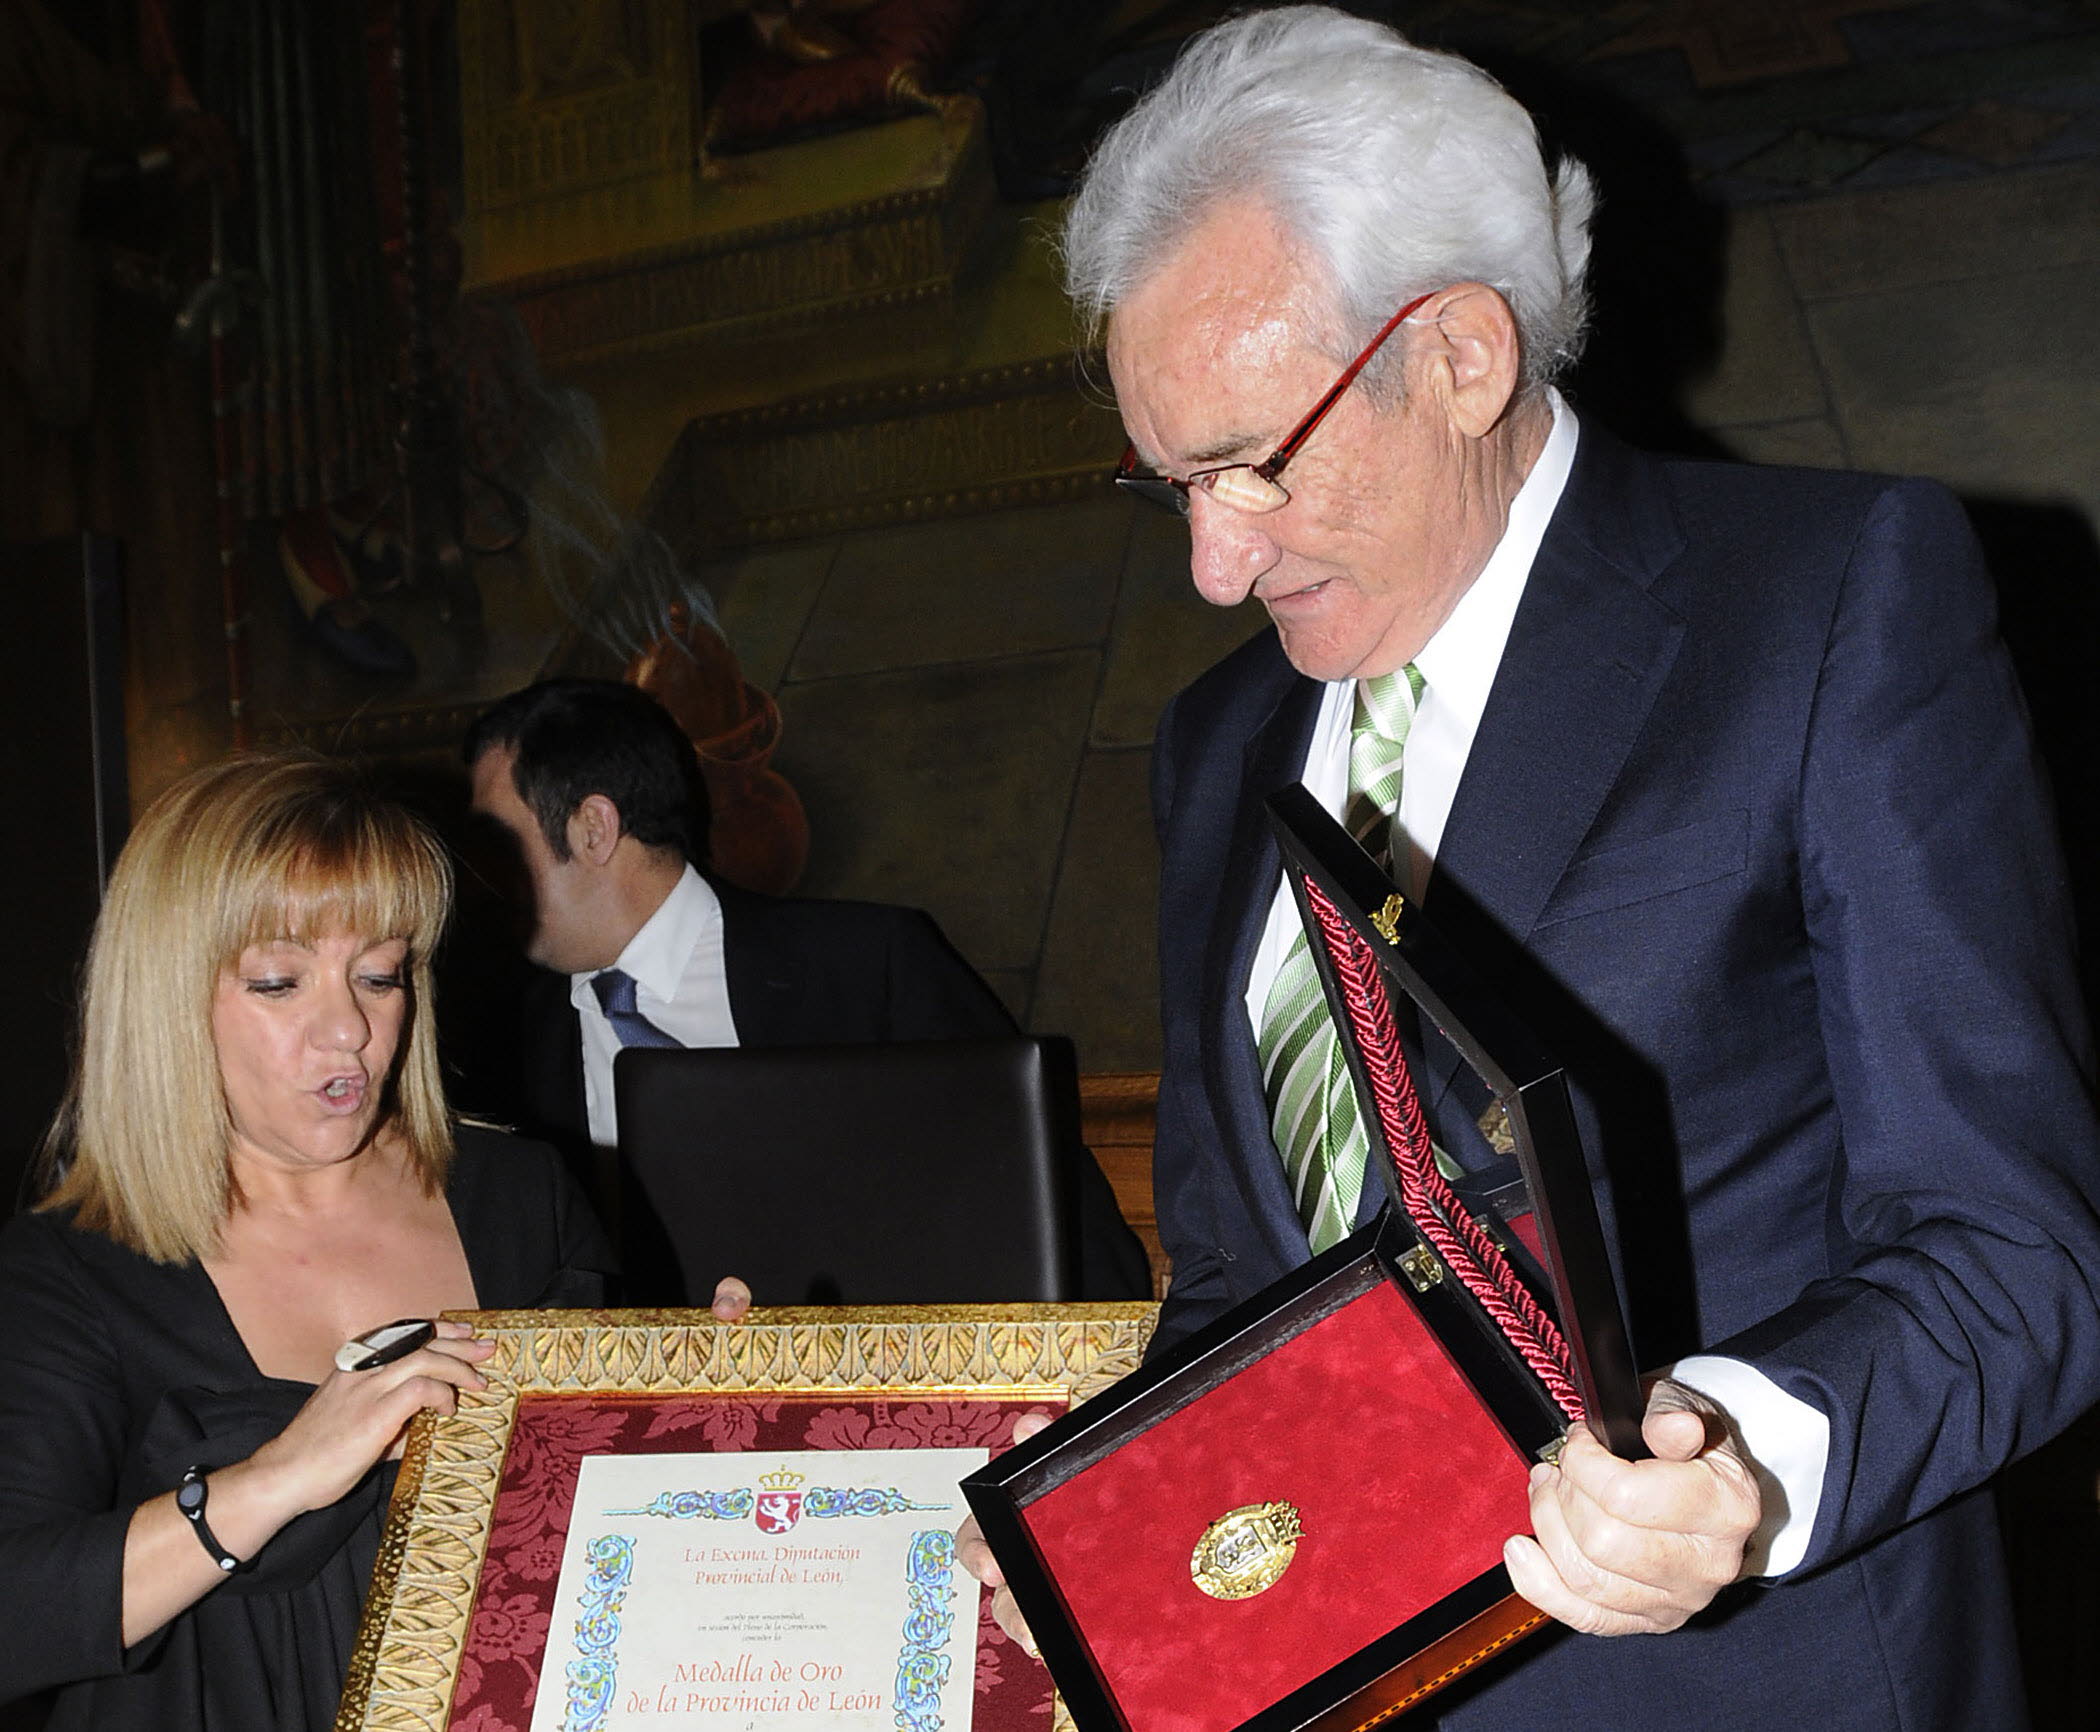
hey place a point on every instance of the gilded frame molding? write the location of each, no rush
(413, 1634)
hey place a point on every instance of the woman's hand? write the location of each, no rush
(350, 1421)
(354, 1418)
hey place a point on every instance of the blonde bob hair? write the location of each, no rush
(258, 848)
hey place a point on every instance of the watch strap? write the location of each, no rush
(190, 1498)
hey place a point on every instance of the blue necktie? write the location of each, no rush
(615, 990)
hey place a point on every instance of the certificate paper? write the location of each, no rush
(807, 1591)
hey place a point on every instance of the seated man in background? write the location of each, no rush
(601, 794)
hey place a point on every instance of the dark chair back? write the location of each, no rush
(929, 1172)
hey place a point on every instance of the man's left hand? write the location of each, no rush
(1637, 1547)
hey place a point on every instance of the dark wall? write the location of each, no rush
(63, 807)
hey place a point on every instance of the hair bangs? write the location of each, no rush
(326, 868)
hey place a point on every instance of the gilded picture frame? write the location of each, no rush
(432, 1560)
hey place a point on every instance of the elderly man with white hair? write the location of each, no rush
(1719, 773)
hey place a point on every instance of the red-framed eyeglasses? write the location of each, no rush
(1253, 487)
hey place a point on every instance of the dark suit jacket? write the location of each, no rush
(804, 973)
(1753, 838)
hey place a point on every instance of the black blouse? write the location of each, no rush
(117, 1374)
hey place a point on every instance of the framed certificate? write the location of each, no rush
(653, 1519)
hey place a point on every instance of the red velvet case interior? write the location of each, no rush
(1406, 1485)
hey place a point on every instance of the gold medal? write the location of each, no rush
(1246, 1550)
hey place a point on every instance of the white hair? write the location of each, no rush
(1401, 170)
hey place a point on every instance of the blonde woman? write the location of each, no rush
(258, 1163)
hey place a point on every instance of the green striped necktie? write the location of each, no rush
(1312, 1103)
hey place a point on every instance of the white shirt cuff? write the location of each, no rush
(1788, 1443)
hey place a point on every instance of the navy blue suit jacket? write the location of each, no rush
(1753, 837)
(799, 972)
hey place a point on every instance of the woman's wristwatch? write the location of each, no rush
(189, 1498)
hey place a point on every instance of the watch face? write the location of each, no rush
(189, 1496)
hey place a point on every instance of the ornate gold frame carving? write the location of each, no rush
(409, 1646)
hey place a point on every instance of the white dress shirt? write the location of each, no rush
(1787, 1439)
(680, 986)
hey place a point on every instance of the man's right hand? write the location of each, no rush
(976, 1557)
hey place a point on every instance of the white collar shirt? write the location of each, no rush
(676, 960)
(1458, 667)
